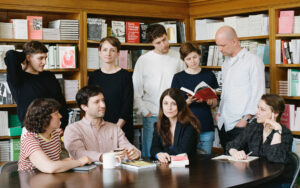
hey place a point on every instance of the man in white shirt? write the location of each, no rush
(152, 75)
(243, 85)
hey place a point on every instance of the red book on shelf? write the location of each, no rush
(283, 52)
(286, 21)
(133, 32)
(35, 26)
(67, 57)
(288, 116)
(123, 59)
(201, 92)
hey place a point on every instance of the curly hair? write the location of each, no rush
(38, 114)
(185, 116)
(34, 47)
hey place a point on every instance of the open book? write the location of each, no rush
(180, 160)
(230, 158)
(202, 91)
(138, 164)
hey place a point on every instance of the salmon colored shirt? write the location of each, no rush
(83, 139)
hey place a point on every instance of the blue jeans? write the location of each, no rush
(206, 141)
(148, 128)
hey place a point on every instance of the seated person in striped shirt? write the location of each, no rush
(92, 135)
(40, 146)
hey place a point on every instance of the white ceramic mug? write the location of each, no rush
(109, 160)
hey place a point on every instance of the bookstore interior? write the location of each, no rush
(71, 30)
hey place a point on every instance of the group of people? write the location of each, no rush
(173, 121)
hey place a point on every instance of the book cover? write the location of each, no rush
(286, 21)
(35, 26)
(143, 29)
(138, 164)
(230, 158)
(287, 119)
(123, 59)
(180, 160)
(118, 30)
(84, 168)
(67, 57)
(94, 29)
(295, 82)
(133, 32)
(201, 92)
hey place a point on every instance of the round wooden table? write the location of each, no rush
(202, 172)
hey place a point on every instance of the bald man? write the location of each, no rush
(243, 85)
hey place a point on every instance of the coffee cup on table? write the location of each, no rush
(110, 160)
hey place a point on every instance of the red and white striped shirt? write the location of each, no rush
(32, 142)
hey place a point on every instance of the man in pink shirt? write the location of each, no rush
(92, 136)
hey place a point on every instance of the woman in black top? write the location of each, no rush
(27, 79)
(265, 136)
(117, 86)
(177, 129)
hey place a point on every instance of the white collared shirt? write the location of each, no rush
(243, 85)
(153, 73)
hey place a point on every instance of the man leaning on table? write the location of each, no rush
(92, 136)
(243, 85)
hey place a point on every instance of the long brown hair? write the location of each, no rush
(184, 116)
(276, 103)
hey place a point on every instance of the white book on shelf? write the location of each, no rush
(93, 58)
(297, 119)
(243, 26)
(210, 55)
(232, 21)
(278, 51)
(296, 24)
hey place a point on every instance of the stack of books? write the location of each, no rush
(71, 88)
(6, 30)
(51, 34)
(20, 28)
(4, 150)
(69, 29)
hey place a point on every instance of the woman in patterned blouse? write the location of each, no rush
(41, 146)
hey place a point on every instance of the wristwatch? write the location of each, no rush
(278, 131)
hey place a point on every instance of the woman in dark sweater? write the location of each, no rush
(265, 136)
(190, 78)
(177, 129)
(117, 86)
(27, 79)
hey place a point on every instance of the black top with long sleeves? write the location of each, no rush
(118, 95)
(26, 87)
(185, 141)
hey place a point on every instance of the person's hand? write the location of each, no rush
(61, 132)
(241, 123)
(212, 102)
(148, 115)
(272, 123)
(190, 99)
(239, 155)
(84, 160)
(163, 157)
(133, 154)
(217, 117)
(121, 153)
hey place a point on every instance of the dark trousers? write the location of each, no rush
(228, 136)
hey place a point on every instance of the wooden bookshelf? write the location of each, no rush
(211, 67)
(240, 38)
(8, 137)
(43, 41)
(288, 65)
(296, 133)
(292, 35)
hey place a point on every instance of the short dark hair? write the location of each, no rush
(38, 114)
(85, 93)
(34, 47)
(154, 31)
(112, 40)
(187, 48)
(276, 103)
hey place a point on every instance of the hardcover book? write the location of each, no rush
(133, 32)
(35, 26)
(201, 92)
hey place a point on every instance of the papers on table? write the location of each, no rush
(230, 158)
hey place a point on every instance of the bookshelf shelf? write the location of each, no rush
(240, 38)
(291, 97)
(8, 137)
(133, 44)
(71, 102)
(43, 41)
(211, 67)
(290, 35)
(8, 106)
(296, 133)
(288, 65)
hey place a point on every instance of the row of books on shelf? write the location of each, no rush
(291, 87)
(252, 25)
(10, 149)
(5, 93)
(131, 32)
(291, 117)
(127, 58)
(288, 51)
(288, 22)
(69, 87)
(211, 56)
(32, 28)
(59, 56)
(10, 124)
